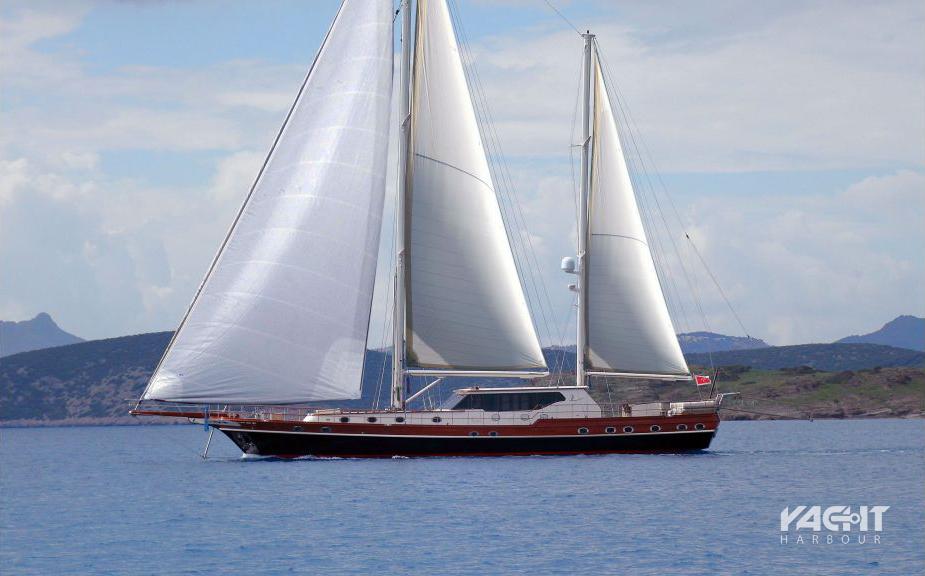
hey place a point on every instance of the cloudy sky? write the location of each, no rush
(789, 135)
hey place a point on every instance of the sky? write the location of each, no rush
(787, 139)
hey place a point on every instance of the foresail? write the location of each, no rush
(283, 315)
(465, 305)
(629, 329)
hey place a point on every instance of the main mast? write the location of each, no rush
(583, 213)
(398, 312)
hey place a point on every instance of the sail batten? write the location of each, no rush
(283, 314)
(465, 307)
(629, 330)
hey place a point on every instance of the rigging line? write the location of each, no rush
(500, 191)
(672, 285)
(677, 215)
(692, 285)
(386, 331)
(630, 125)
(560, 360)
(535, 273)
(718, 286)
(244, 205)
(507, 195)
(561, 15)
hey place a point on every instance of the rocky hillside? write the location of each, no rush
(701, 342)
(828, 357)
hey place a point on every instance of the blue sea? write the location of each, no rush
(139, 500)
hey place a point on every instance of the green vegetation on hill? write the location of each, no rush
(829, 357)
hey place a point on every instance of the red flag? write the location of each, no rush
(701, 380)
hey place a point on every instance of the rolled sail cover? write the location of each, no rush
(283, 315)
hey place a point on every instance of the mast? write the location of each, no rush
(398, 313)
(583, 212)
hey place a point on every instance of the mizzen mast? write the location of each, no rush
(581, 284)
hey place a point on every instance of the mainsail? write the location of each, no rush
(629, 329)
(465, 307)
(282, 316)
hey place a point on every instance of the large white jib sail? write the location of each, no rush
(465, 306)
(282, 316)
(629, 330)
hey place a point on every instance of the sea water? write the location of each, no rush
(139, 500)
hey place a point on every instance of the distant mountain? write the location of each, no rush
(696, 342)
(40, 332)
(901, 332)
(827, 357)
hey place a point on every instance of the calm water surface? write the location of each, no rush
(138, 500)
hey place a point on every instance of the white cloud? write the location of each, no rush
(812, 86)
(817, 267)
(715, 87)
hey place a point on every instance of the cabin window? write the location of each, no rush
(400, 419)
(492, 433)
(344, 419)
(473, 433)
(582, 430)
(436, 419)
(655, 428)
(681, 427)
(628, 429)
(325, 428)
(610, 430)
(698, 426)
(296, 428)
(371, 419)
(509, 401)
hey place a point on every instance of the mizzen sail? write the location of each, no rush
(282, 316)
(629, 328)
(465, 305)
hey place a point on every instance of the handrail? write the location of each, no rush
(266, 413)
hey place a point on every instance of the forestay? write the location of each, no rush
(465, 305)
(282, 316)
(629, 329)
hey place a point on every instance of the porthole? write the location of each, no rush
(296, 428)
(492, 433)
(371, 419)
(344, 419)
(473, 433)
(655, 428)
(325, 428)
(628, 429)
(582, 430)
(681, 427)
(698, 426)
(610, 430)
(436, 419)
(400, 419)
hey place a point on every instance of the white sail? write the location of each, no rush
(465, 305)
(629, 329)
(283, 315)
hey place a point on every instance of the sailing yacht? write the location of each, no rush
(282, 316)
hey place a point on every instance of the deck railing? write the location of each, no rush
(298, 413)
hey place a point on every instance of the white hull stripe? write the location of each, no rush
(486, 436)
